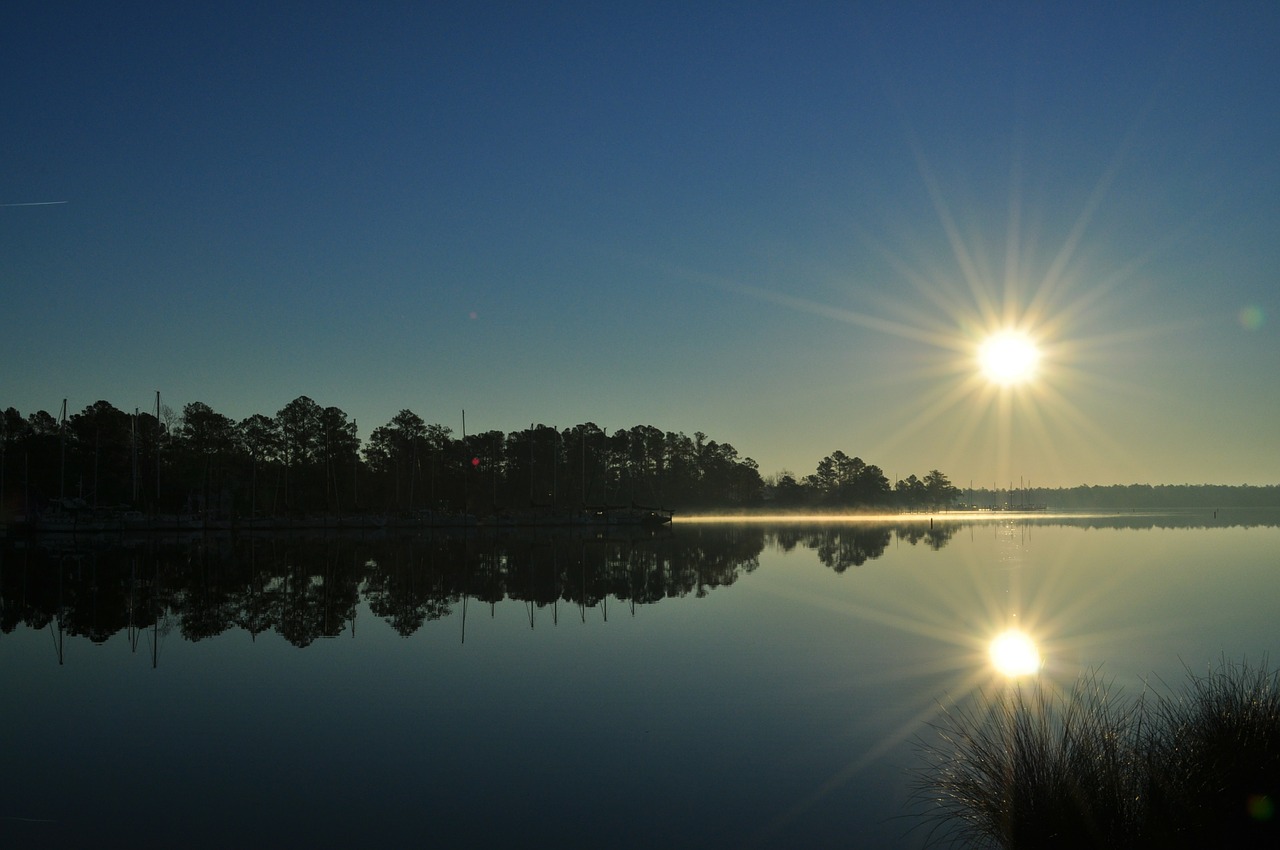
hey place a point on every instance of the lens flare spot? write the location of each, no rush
(1252, 317)
(1014, 653)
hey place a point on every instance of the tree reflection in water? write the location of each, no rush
(309, 587)
(306, 589)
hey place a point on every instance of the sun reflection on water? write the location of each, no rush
(1014, 654)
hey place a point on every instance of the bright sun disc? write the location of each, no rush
(1013, 653)
(1008, 358)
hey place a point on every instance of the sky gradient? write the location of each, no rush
(787, 228)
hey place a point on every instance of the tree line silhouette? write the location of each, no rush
(309, 459)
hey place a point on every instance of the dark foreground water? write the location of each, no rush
(714, 685)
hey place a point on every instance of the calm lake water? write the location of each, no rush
(713, 685)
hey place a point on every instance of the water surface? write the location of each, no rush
(717, 685)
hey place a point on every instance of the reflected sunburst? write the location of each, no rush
(1014, 654)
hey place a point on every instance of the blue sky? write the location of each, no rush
(786, 227)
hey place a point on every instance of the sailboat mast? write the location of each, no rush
(62, 444)
(133, 452)
(157, 450)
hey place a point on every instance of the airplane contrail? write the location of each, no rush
(34, 204)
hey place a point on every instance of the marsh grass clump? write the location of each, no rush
(1213, 752)
(1028, 768)
(1025, 767)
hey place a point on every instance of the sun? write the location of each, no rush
(1014, 654)
(1008, 358)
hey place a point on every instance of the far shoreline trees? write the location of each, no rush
(844, 483)
(309, 459)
